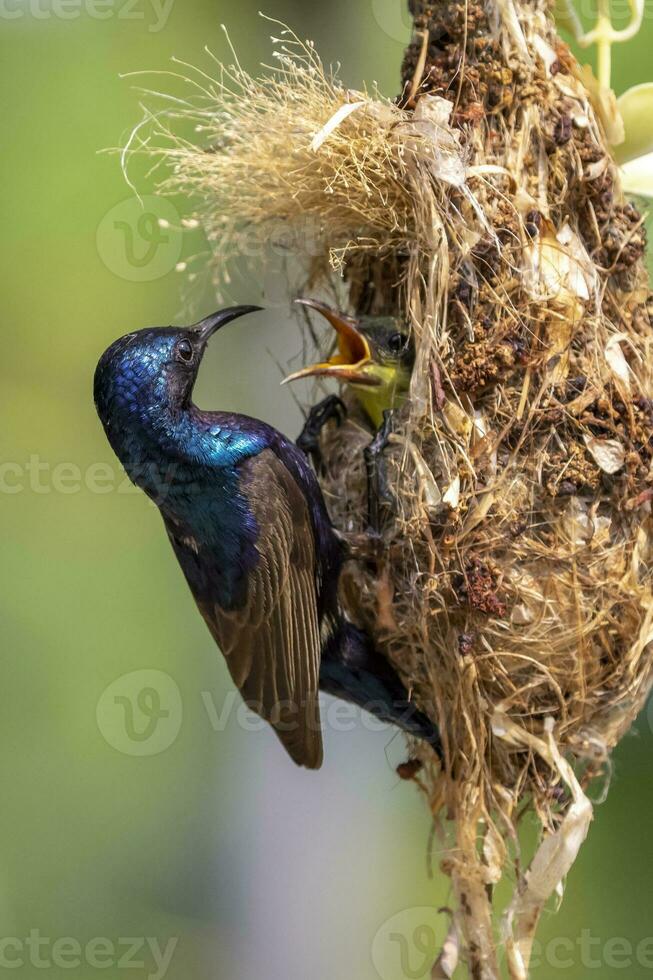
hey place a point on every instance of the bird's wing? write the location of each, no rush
(272, 641)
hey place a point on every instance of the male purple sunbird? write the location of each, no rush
(246, 519)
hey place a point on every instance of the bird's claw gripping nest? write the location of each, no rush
(379, 495)
(308, 441)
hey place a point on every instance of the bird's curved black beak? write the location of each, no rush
(212, 323)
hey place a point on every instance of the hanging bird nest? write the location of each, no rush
(513, 593)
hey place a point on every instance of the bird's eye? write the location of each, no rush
(397, 342)
(184, 351)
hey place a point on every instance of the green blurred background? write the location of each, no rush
(202, 846)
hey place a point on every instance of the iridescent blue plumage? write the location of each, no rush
(247, 521)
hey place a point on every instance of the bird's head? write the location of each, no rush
(374, 354)
(155, 367)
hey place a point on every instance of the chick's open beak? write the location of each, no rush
(353, 359)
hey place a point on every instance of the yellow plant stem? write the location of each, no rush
(604, 44)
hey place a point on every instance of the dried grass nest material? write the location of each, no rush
(515, 592)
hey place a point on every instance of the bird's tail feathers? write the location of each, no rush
(353, 669)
